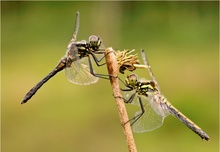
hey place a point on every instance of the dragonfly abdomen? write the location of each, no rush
(190, 124)
(61, 65)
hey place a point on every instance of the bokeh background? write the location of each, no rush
(182, 44)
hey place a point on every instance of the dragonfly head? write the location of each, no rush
(95, 42)
(131, 80)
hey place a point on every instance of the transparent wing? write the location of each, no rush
(157, 103)
(144, 57)
(128, 94)
(153, 116)
(149, 121)
(79, 73)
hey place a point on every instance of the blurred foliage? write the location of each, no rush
(181, 40)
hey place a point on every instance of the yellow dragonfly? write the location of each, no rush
(154, 106)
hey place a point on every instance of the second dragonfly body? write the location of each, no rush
(154, 106)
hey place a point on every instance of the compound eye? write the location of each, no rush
(95, 41)
(132, 79)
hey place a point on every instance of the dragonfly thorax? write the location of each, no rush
(145, 88)
(84, 48)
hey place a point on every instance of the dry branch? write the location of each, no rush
(113, 70)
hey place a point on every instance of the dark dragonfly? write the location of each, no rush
(154, 107)
(77, 62)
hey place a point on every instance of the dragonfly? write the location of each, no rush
(77, 62)
(154, 107)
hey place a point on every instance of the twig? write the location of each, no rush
(113, 70)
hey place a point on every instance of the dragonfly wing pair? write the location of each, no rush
(79, 73)
(151, 119)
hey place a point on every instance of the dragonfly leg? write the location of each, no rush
(98, 60)
(104, 76)
(126, 100)
(135, 118)
(123, 84)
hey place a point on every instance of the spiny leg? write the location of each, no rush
(103, 76)
(130, 100)
(98, 60)
(123, 84)
(127, 100)
(135, 118)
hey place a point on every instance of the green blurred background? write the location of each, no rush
(182, 44)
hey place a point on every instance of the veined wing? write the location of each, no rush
(149, 121)
(79, 73)
(157, 103)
